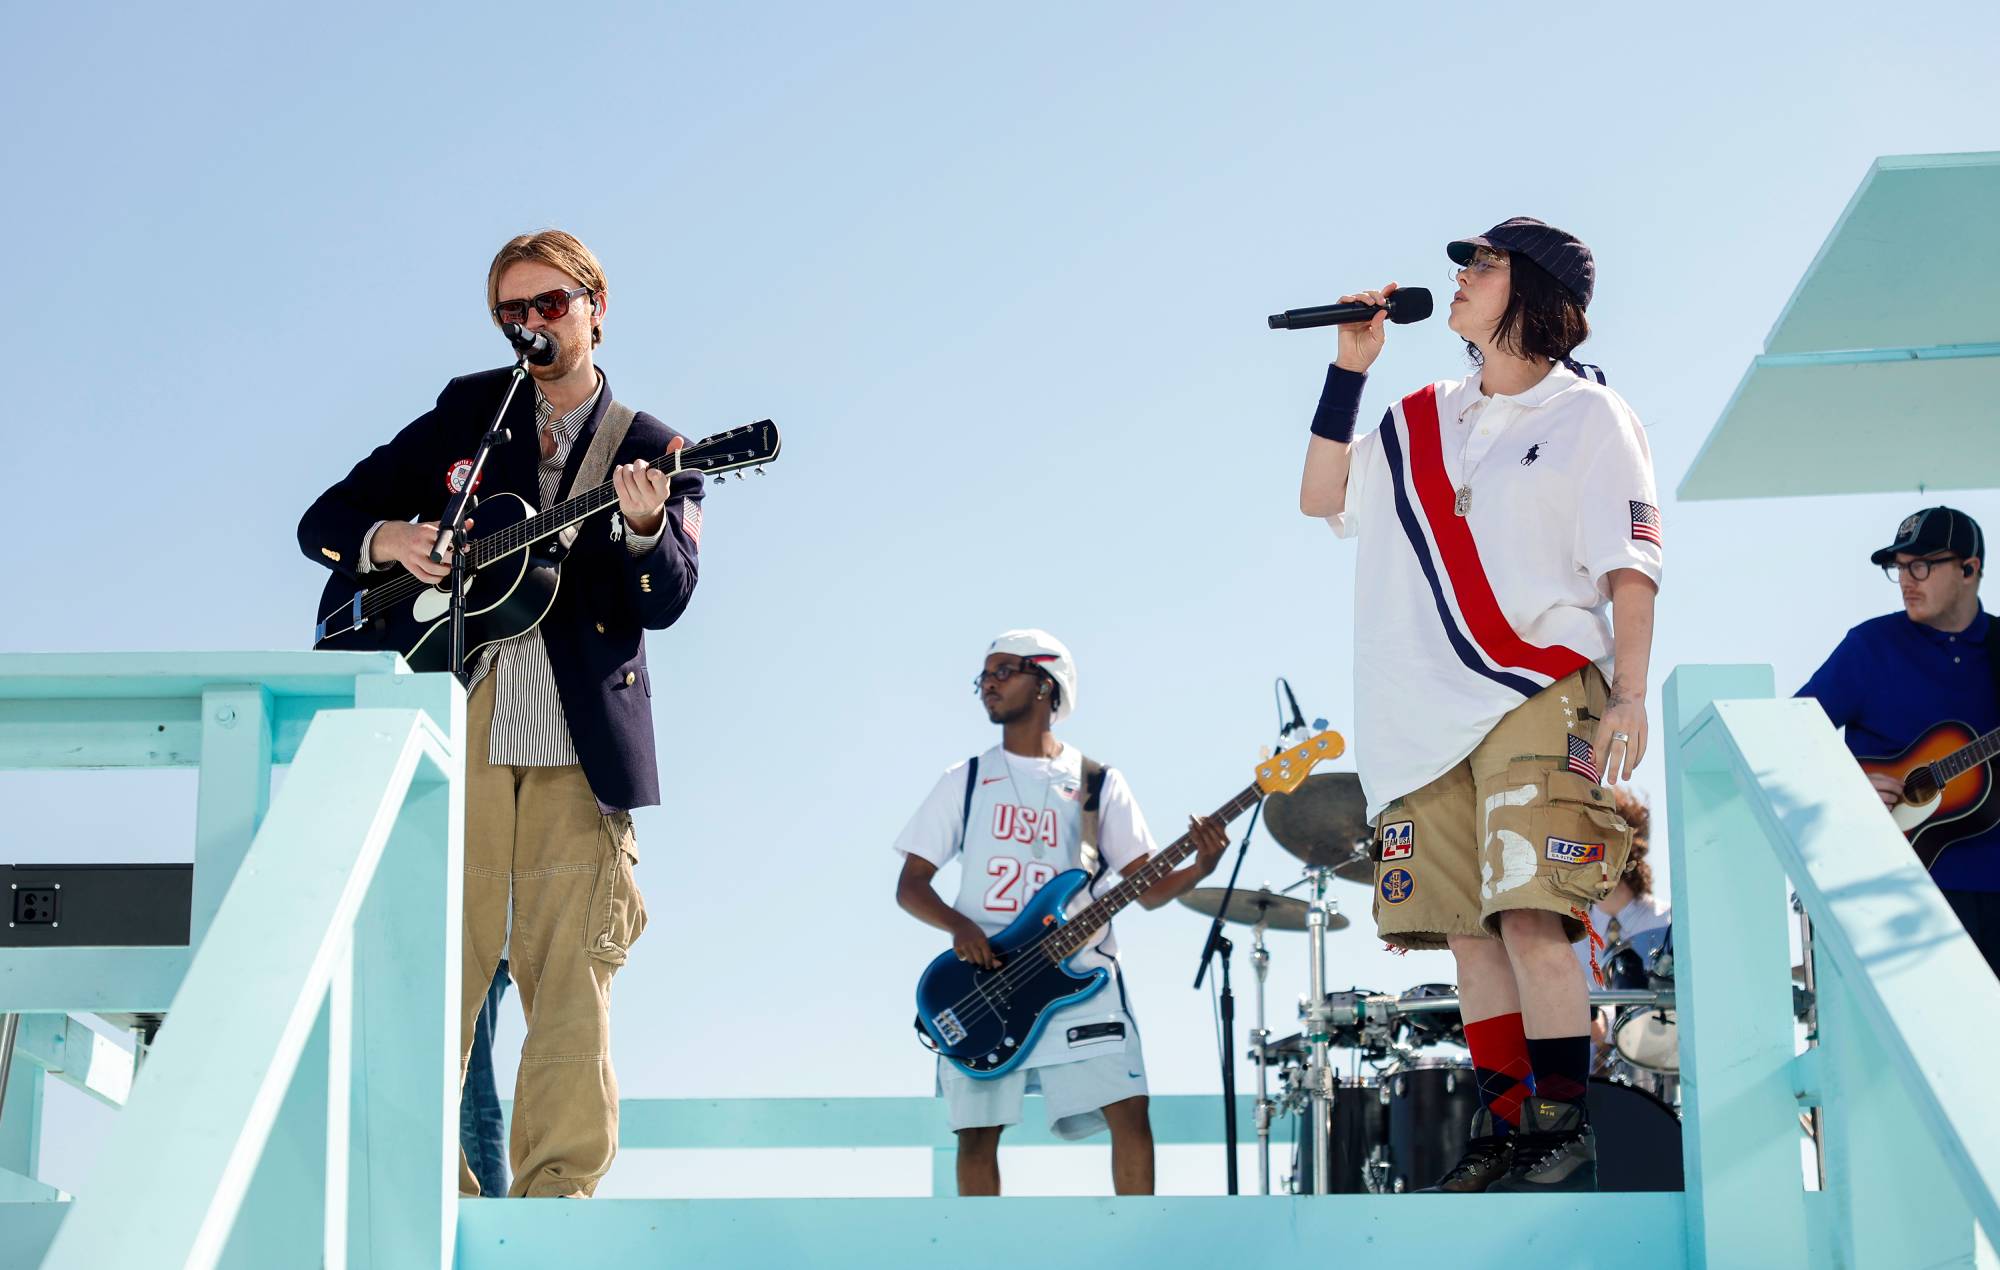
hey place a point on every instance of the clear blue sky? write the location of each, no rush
(1000, 274)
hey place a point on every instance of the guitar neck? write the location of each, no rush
(1081, 929)
(1965, 759)
(527, 533)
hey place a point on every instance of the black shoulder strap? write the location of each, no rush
(965, 813)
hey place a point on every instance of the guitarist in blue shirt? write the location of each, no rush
(1015, 817)
(1899, 683)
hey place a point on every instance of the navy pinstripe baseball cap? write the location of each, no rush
(1556, 250)
(1932, 530)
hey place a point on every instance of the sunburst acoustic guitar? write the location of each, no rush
(1947, 787)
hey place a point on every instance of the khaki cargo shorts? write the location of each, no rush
(1510, 827)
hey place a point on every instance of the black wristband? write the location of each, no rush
(1339, 405)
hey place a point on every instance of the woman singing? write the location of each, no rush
(1510, 552)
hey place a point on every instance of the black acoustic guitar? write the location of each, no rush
(513, 567)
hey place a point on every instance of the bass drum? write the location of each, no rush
(1638, 1139)
(1357, 1146)
(1431, 1102)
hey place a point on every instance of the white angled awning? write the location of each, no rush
(1883, 372)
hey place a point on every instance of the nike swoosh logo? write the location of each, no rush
(989, 780)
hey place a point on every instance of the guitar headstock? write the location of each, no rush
(748, 446)
(1286, 770)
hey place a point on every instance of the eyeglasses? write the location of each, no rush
(552, 305)
(1000, 675)
(1484, 260)
(1917, 569)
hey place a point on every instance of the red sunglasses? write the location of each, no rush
(552, 305)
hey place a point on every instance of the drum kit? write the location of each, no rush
(1399, 1117)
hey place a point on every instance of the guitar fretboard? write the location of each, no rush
(1964, 760)
(564, 514)
(1079, 930)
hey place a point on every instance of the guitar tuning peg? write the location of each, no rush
(760, 471)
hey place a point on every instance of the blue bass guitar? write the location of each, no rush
(986, 1021)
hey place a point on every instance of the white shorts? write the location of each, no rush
(1074, 1093)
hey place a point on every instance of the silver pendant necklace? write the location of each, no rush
(1035, 838)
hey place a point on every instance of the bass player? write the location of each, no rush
(559, 721)
(1014, 817)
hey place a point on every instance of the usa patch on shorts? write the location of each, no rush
(1399, 841)
(1563, 851)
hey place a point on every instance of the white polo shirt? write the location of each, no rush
(1458, 619)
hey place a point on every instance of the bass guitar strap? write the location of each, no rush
(1093, 795)
(596, 465)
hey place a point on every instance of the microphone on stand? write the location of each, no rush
(539, 347)
(1405, 304)
(1298, 722)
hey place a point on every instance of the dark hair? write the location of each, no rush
(1542, 318)
(1638, 874)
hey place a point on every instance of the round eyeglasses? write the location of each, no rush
(1917, 569)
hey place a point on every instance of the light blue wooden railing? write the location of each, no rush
(324, 917)
(319, 922)
(1762, 792)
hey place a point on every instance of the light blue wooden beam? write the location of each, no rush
(1919, 988)
(253, 993)
(701, 1123)
(1733, 973)
(407, 976)
(234, 793)
(21, 1114)
(1559, 1232)
(90, 980)
(30, 1228)
(73, 1053)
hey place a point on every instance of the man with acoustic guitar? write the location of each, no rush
(1015, 818)
(559, 721)
(1917, 696)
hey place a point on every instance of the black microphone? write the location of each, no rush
(539, 347)
(1298, 723)
(1406, 304)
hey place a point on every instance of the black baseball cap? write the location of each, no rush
(1556, 250)
(1932, 530)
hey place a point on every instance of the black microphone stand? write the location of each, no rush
(452, 532)
(1216, 943)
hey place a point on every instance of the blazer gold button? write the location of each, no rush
(600, 628)
(631, 677)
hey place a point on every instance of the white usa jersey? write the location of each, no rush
(1025, 826)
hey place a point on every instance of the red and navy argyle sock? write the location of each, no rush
(1500, 1062)
(1562, 1067)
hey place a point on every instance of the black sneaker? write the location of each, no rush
(1488, 1158)
(1555, 1151)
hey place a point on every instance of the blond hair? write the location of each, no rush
(558, 250)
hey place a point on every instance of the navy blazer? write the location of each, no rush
(608, 599)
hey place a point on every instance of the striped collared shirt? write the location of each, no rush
(528, 725)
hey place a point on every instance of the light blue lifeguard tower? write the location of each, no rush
(301, 1108)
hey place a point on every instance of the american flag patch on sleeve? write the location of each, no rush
(691, 523)
(1579, 758)
(1645, 522)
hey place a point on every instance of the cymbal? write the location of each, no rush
(1325, 823)
(1247, 908)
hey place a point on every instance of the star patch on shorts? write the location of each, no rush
(1399, 841)
(1563, 851)
(1397, 886)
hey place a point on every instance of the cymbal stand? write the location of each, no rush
(1320, 1076)
(1260, 1038)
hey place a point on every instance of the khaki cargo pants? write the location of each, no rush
(1510, 827)
(537, 849)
